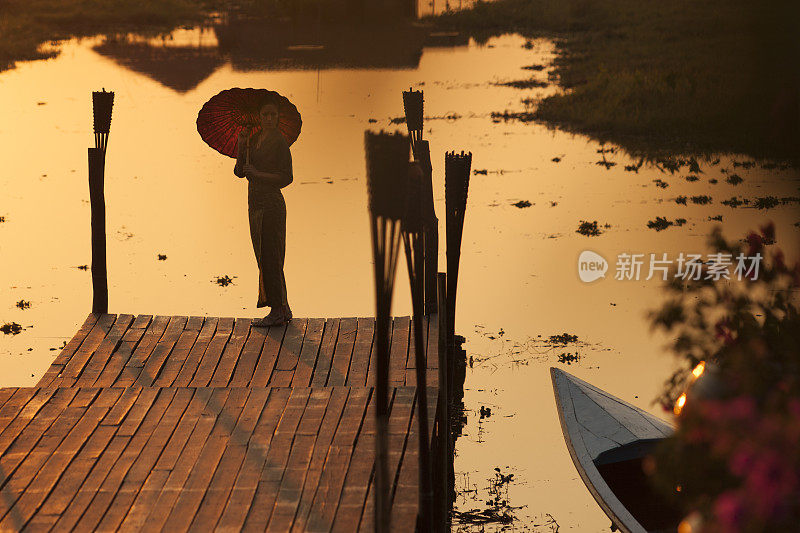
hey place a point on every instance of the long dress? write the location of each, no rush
(267, 210)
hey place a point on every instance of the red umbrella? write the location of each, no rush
(227, 113)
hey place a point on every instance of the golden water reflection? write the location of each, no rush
(168, 193)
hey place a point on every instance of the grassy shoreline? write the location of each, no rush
(681, 77)
(27, 24)
(658, 78)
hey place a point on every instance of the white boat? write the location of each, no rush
(607, 439)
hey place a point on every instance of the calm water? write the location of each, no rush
(168, 193)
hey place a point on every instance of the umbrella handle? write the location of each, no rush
(247, 152)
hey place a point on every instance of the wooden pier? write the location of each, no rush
(198, 423)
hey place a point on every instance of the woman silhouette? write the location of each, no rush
(265, 160)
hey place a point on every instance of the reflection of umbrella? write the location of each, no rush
(227, 113)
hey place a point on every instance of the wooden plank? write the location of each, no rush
(66, 353)
(85, 475)
(399, 417)
(142, 352)
(145, 460)
(57, 459)
(12, 421)
(326, 349)
(359, 476)
(294, 477)
(89, 325)
(194, 489)
(399, 351)
(248, 359)
(184, 430)
(77, 471)
(269, 356)
(141, 321)
(160, 511)
(152, 365)
(231, 462)
(22, 435)
(227, 363)
(98, 360)
(290, 353)
(122, 355)
(192, 361)
(359, 366)
(89, 489)
(141, 434)
(343, 352)
(308, 354)
(275, 462)
(330, 422)
(246, 483)
(172, 366)
(373, 358)
(213, 353)
(74, 366)
(326, 499)
(291, 484)
(29, 453)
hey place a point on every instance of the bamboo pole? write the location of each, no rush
(98, 220)
(102, 105)
(413, 241)
(456, 186)
(444, 401)
(387, 174)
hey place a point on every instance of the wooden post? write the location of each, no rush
(97, 200)
(444, 399)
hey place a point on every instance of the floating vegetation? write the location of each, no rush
(11, 328)
(692, 177)
(568, 358)
(659, 224)
(556, 160)
(734, 179)
(524, 84)
(498, 510)
(522, 116)
(482, 172)
(718, 218)
(671, 165)
(713, 181)
(537, 68)
(701, 200)
(661, 183)
(485, 412)
(766, 202)
(553, 203)
(744, 164)
(162, 257)
(372, 121)
(82, 267)
(224, 281)
(589, 229)
(680, 221)
(604, 163)
(522, 204)
(734, 202)
(694, 167)
(2, 219)
(563, 338)
(680, 200)
(715, 162)
(636, 167)
(23, 304)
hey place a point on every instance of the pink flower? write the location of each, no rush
(729, 511)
